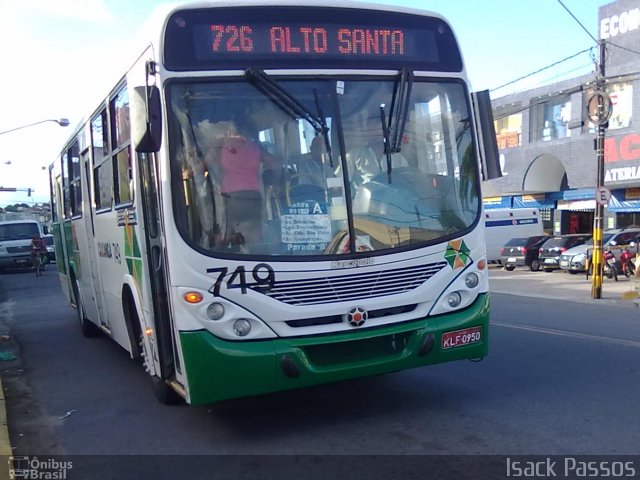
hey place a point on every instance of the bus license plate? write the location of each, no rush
(459, 338)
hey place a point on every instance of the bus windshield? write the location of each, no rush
(273, 166)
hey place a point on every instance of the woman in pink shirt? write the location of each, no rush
(237, 161)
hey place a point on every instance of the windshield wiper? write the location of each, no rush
(323, 125)
(393, 130)
(283, 99)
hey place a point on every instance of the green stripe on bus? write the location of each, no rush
(219, 369)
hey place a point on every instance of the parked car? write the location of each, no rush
(574, 260)
(521, 252)
(550, 251)
(51, 251)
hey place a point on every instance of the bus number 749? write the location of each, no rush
(263, 275)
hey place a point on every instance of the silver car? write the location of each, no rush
(574, 260)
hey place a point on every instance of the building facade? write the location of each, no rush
(546, 140)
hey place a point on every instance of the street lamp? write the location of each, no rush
(63, 122)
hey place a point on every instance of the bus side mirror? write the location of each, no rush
(146, 119)
(489, 154)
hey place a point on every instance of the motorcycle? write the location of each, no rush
(626, 260)
(610, 267)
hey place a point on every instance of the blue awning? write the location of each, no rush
(575, 194)
(496, 202)
(533, 201)
(618, 203)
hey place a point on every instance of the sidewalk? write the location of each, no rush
(560, 285)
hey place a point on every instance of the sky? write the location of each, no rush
(59, 57)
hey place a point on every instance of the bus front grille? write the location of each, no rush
(329, 319)
(356, 286)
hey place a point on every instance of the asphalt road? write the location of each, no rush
(561, 379)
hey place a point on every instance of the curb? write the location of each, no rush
(5, 442)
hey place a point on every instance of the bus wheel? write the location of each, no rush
(163, 392)
(88, 328)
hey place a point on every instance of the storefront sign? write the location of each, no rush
(576, 204)
(620, 24)
(622, 149)
(632, 194)
(623, 174)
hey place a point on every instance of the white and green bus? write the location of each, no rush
(280, 194)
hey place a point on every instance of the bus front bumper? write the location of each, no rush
(219, 369)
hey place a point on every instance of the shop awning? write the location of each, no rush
(619, 204)
(496, 202)
(533, 201)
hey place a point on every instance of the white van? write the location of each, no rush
(15, 242)
(506, 223)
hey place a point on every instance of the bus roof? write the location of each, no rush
(151, 30)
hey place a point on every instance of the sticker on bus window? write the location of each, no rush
(306, 227)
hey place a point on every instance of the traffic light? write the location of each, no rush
(28, 192)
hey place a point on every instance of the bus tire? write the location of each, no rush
(163, 392)
(88, 328)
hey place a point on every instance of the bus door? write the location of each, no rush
(90, 278)
(61, 252)
(156, 262)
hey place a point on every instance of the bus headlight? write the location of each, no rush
(471, 280)
(454, 299)
(215, 311)
(242, 327)
(462, 291)
(220, 317)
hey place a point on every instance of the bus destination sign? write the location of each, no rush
(307, 40)
(241, 38)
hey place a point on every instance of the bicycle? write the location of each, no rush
(38, 261)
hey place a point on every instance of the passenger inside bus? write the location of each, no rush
(307, 180)
(237, 166)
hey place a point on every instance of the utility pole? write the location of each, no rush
(599, 108)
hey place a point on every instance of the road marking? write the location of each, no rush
(562, 333)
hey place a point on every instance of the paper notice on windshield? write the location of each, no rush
(306, 227)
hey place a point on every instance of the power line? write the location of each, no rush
(589, 33)
(623, 48)
(578, 21)
(542, 69)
